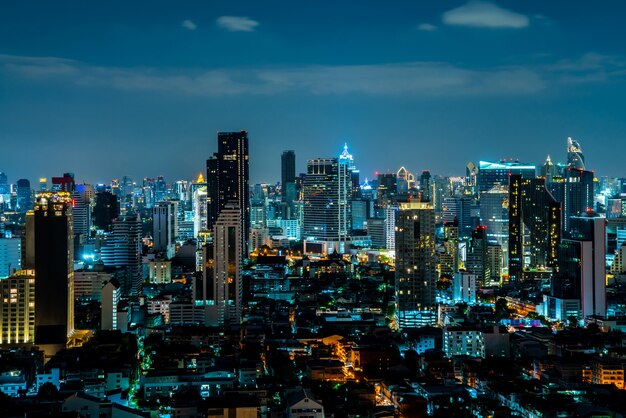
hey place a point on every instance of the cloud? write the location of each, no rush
(483, 14)
(428, 27)
(189, 24)
(418, 79)
(237, 23)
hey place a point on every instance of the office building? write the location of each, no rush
(110, 296)
(416, 269)
(106, 209)
(497, 174)
(17, 308)
(200, 210)
(65, 183)
(10, 256)
(464, 287)
(165, 227)
(81, 211)
(227, 264)
(288, 171)
(477, 261)
(54, 269)
(449, 257)
(326, 188)
(459, 209)
(24, 196)
(425, 186)
(123, 250)
(227, 179)
(575, 157)
(581, 275)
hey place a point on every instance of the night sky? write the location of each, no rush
(139, 88)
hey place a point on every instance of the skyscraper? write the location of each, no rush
(326, 188)
(164, 227)
(123, 250)
(227, 245)
(107, 209)
(575, 157)
(416, 265)
(581, 272)
(532, 208)
(288, 170)
(24, 200)
(54, 268)
(425, 186)
(17, 308)
(227, 179)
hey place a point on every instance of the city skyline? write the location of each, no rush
(147, 88)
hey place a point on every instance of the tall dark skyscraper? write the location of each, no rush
(123, 250)
(54, 268)
(532, 208)
(227, 179)
(24, 201)
(288, 170)
(416, 265)
(106, 209)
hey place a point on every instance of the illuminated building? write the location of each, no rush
(63, 184)
(416, 269)
(425, 186)
(17, 308)
(532, 208)
(227, 179)
(123, 250)
(494, 214)
(24, 200)
(405, 181)
(288, 174)
(81, 211)
(464, 287)
(477, 259)
(575, 157)
(165, 227)
(549, 170)
(54, 269)
(10, 255)
(227, 247)
(581, 276)
(326, 188)
(497, 174)
(110, 296)
(449, 258)
(43, 184)
(199, 210)
(459, 210)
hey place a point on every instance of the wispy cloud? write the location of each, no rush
(427, 27)
(189, 24)
(237, 23)
(483, 14)
(427, 79)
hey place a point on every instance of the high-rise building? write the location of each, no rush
(581, 274)
(477, 261)
(24, 199)
(17, 308)
(288, 170)
(497, 174)
(165, 227)
(65, 183)
(54, 268)
(199, 210)
(425, 186)
(227, 179)
(326, 188)
(43, 184)
(575, 157)
(227, 264)
(494, 214)
(459, 209)
(449, 257)
(110, 297)
(123, 250)
(532, 208)
(10, 256)
(81, 202)
(416, 265)
(107, 209)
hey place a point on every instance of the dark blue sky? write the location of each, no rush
(139, 88)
